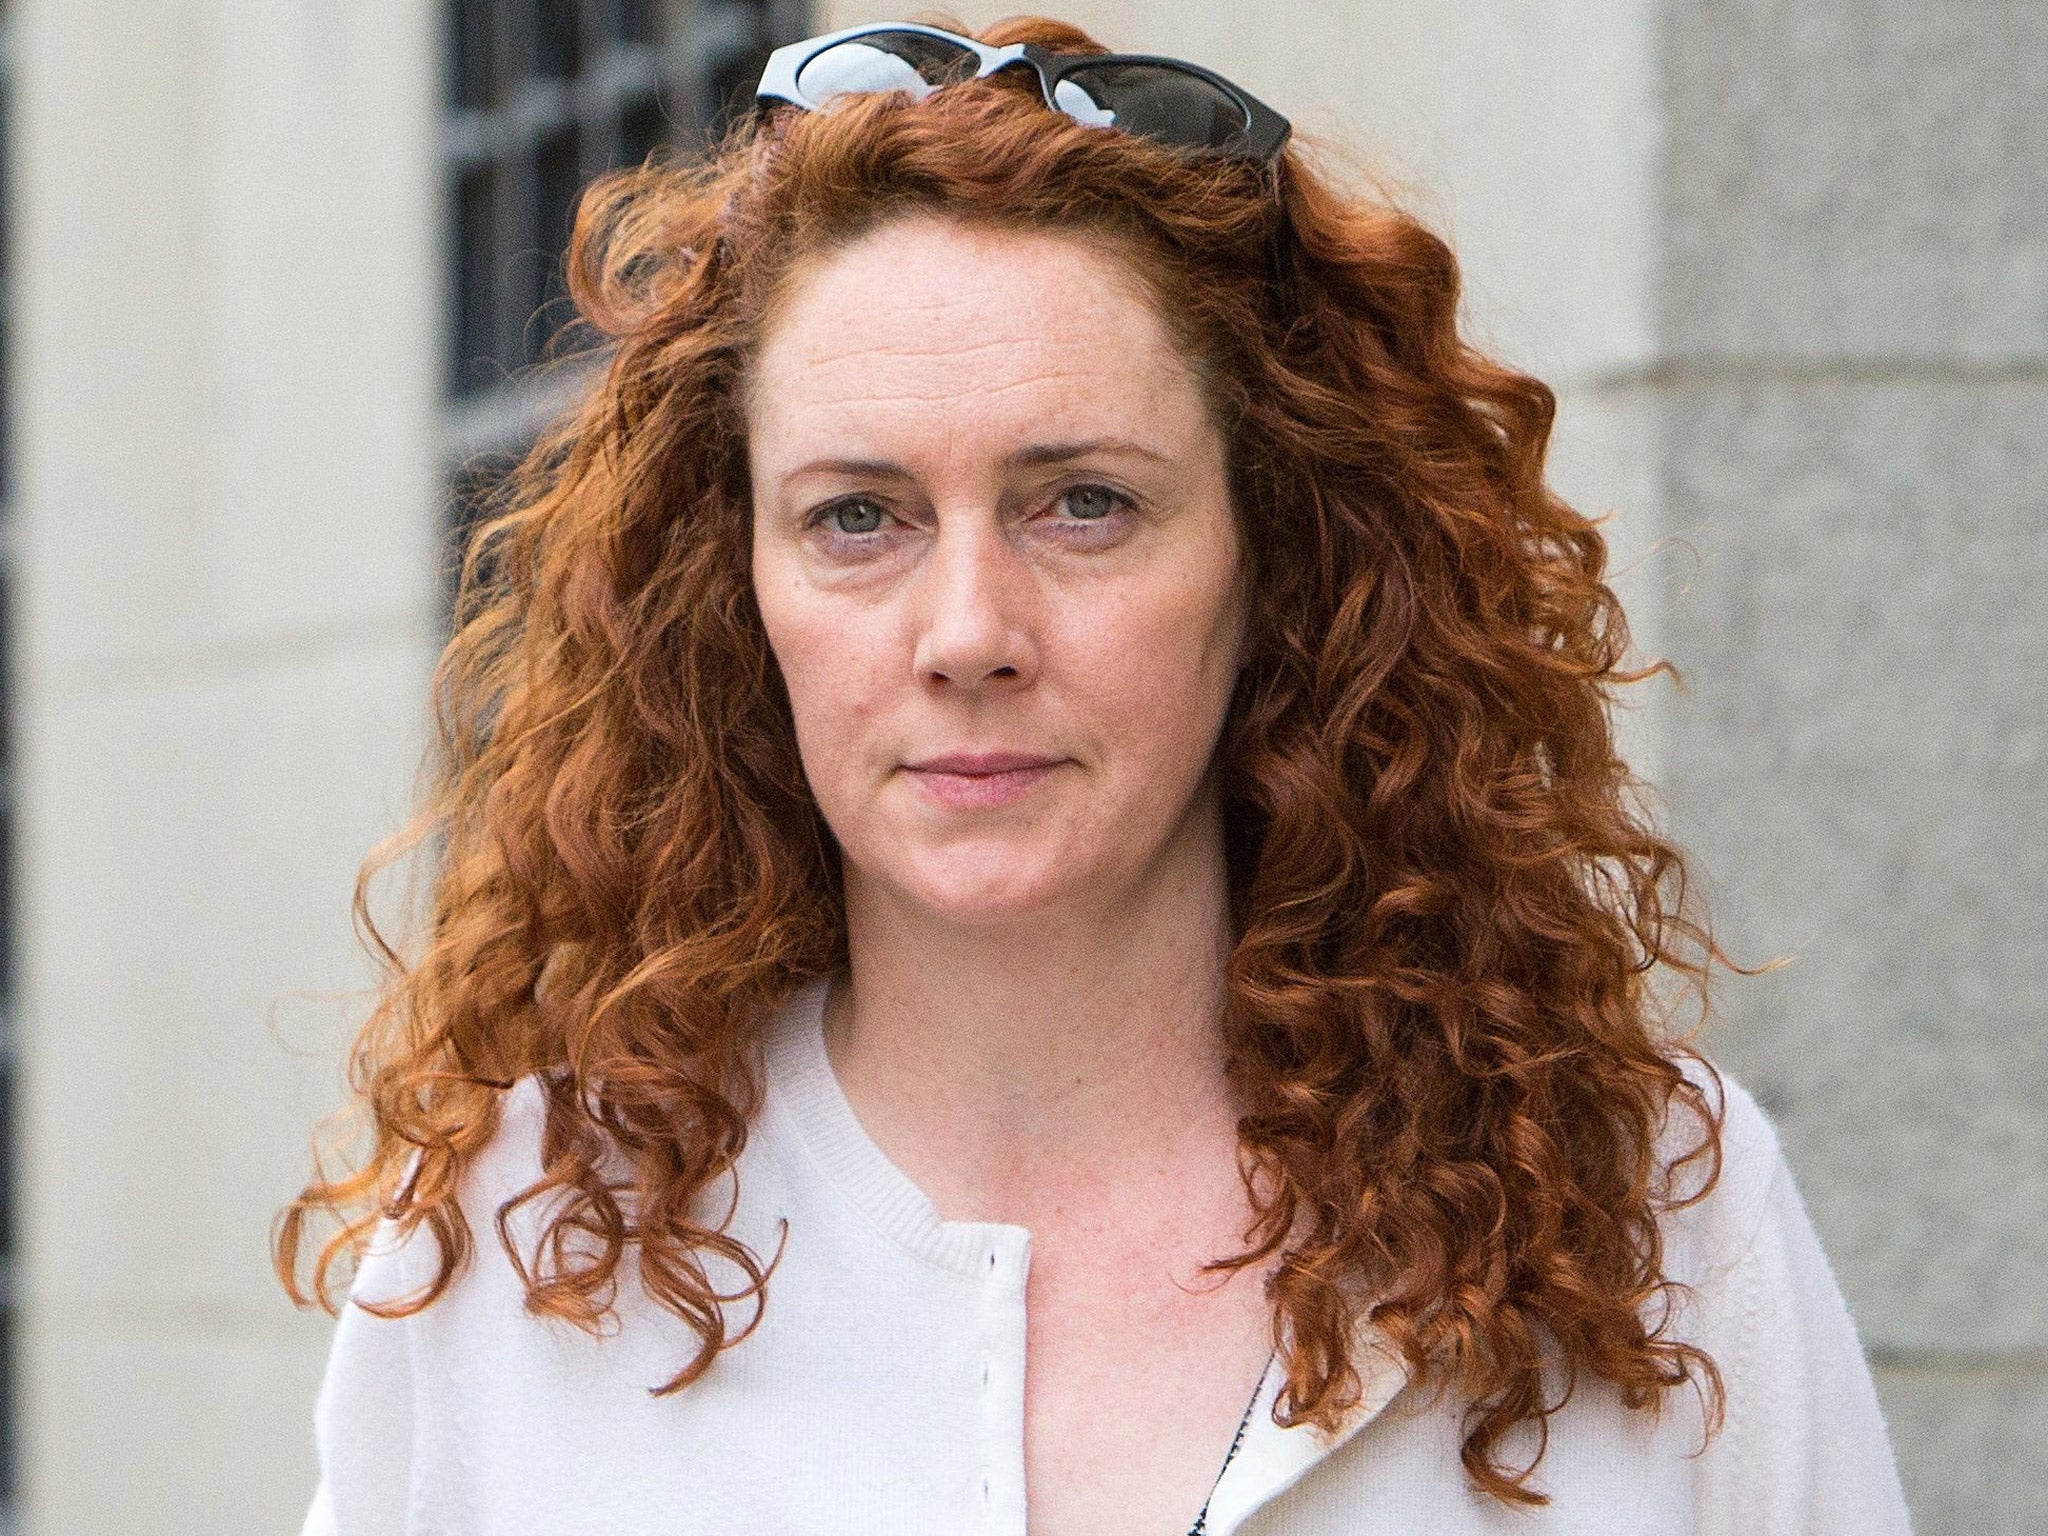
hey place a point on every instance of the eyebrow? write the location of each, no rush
(1060, 453)
(1037, 455)
(859, 469)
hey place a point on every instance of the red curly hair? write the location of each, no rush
(1444, 1006)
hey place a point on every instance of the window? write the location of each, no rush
(542, 96)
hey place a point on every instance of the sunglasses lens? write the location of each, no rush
(886, 61)
(1154, 100)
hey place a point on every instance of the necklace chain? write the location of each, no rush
(1201, 1525)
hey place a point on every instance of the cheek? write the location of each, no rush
(832, 675)
(1160, 668)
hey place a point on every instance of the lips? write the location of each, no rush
(970, 780)
(976, 764)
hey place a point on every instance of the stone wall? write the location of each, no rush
(1853, 410)
(223, 234)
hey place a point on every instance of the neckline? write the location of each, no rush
(821, 1120)
(804, 1095)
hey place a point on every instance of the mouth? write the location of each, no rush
(970, 780)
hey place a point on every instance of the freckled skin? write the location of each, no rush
(992, 513)
(980, 616)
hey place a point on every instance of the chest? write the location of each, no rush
(907, 1374)
(902, 1405)
(1137, 1381)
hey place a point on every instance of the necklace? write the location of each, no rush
(1201, 1525)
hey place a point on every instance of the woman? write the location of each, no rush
(1034, 893)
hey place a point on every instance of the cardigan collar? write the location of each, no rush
(1269, 1460)
(801, 1082)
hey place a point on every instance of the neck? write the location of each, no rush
(1002, 1065)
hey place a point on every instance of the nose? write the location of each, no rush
(973, 609)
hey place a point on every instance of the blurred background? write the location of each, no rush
(271, 271)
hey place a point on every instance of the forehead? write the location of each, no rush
(927, 324)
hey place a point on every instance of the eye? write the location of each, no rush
(1090, 503)
(856, 515)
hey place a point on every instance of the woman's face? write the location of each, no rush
(996, 555)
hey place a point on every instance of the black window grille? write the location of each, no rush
(543, 95)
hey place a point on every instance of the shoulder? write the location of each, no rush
(513, 1159)
(1709, 1226)
(399, 1263)
(1801, 1443)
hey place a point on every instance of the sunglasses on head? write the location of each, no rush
(1166, 100)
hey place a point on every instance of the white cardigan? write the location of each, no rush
(884, 1388)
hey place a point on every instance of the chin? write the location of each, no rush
(988, 902)
(984, 887)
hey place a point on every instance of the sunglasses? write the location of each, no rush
(1166, 100)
